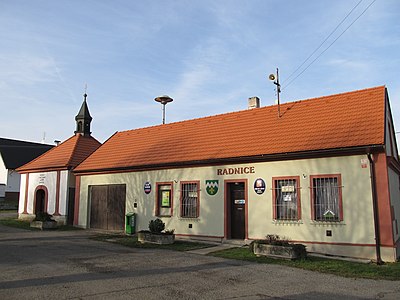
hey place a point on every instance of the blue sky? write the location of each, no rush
(209, 56)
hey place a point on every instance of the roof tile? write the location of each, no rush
(337, 121)
(68, 154)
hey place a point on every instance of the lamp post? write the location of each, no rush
(164, 100)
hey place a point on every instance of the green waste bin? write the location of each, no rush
(130, 223)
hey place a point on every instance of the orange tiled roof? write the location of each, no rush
(338, 121)
(67, 155)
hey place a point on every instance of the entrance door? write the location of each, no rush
(40, 201)
(237, 206)
(71, 206)
(107, 208)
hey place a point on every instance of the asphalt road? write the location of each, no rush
(67, 265)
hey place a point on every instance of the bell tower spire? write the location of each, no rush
(83, 118)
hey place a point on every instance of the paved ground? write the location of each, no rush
(66, 265)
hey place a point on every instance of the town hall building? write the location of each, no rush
(323, 172)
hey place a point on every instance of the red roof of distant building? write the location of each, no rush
(67, 155)
(346, 120)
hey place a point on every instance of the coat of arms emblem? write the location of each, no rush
(212, 187)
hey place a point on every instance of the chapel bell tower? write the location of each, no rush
(83, 119)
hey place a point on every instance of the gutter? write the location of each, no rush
(375, 208)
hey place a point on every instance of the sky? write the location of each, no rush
(209, 56)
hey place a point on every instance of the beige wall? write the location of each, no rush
(356, 229)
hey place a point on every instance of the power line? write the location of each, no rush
(323, 42)
(329, 45)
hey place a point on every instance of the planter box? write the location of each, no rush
(154, 238)
(287, 252)
(44, 225)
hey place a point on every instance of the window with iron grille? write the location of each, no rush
(190, 199)
(326, 195)
(286, 198)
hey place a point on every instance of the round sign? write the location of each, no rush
(147, 187)
(259, 186)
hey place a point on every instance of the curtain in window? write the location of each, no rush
(286, 199)
(326, 199)
(189, 200)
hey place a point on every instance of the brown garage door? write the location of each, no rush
(107, 208)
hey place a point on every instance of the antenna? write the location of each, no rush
(85, 94)
(275, 79)
(164, 100)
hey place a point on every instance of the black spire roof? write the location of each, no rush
(83, 119)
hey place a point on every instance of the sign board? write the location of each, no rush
(259, 186)
(147, 187)
(287, 188)
(165, 198)
(240, 201)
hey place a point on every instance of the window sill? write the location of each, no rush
(191, 219)
(327, 223)
(164, 216)
(287, 222)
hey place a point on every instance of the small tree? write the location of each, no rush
(156, 226)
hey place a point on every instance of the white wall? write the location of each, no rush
(3, 172)
(49, 180)
(64, 185)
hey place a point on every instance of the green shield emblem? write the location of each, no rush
(212, 187)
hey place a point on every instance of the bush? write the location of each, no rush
(276, 240)
(156, 226)
(43, 217)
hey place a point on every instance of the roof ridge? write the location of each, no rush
(246, 110)
(338, 94)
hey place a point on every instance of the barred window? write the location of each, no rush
(190, 199)
(286, 198)
(326, 195)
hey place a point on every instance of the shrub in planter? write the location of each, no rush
(274, 246)
(156, 226)
(156, 234)
(43, 220)
(43, 217)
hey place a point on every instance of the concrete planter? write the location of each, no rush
(291, 251)
(44, 225)
(156, 238)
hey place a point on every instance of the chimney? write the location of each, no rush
(254, 102)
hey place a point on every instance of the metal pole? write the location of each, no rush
(278, 90)
(163, 114)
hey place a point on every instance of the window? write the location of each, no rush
(326, 195)
(286, 198)
(190, 199)
(164, 199)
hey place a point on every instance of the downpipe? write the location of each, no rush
(375, 208)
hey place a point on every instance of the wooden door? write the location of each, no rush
(107, 209)
(98, 207)
(237, 210)
(116, 207)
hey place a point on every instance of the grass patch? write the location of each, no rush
(388, 271)
(16, 224)
(23, 224)
(131, 241)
